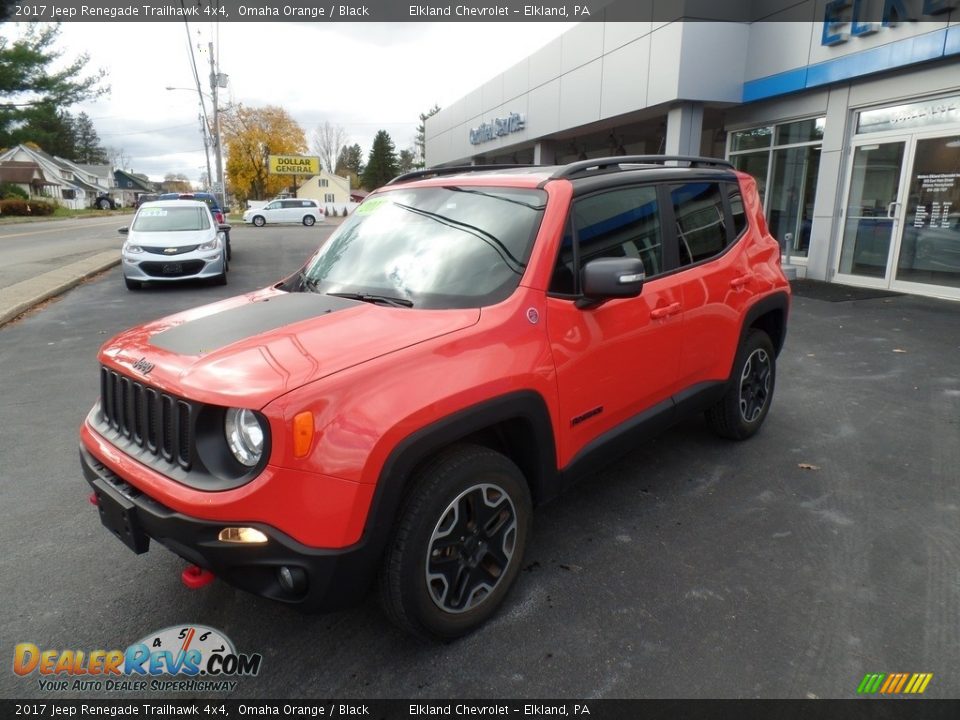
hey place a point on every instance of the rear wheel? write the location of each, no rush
(743, 408)
(259, 220)
(104, 204)
(459, 542)
(309, 220)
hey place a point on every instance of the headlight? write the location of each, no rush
(244, 435)
(132, 249)
(212, 244)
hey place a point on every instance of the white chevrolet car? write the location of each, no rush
(173, 240)
(290, 210)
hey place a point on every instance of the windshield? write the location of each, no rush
(438, 247)
(171, 219)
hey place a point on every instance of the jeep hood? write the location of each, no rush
(249, 350)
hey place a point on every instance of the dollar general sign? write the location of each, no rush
(294, 165)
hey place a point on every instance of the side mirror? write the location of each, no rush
(223, 227)
(123, 230)
(608, 278)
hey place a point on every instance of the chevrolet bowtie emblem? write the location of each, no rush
(170, 251)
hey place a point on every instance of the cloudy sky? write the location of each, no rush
(363, 76)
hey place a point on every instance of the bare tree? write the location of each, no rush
(328, 141)
(119, 158)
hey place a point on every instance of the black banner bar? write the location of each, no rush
(861, 709)
(862, 13)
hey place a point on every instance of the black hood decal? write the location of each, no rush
(213, 332)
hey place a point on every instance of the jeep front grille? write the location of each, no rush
(153, 420)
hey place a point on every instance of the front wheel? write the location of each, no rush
(744, 406)
(229, 251)
(259, 220)
(309, 220)
(459, 542)
(104, 204)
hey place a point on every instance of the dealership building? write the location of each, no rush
(851, 128)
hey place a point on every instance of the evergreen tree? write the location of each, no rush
(382, 162)
(30, 86)
(50, 129)
(407, 161)
(420, 141)
(89, 150)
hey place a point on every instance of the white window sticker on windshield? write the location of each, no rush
(153, 212)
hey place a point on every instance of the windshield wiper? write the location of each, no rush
(502, 250)
(307, 282)
(366, 297)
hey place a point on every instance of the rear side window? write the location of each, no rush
(701, 225)
(619, 223)
(737, 211)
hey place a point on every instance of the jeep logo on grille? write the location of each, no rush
(143, 366)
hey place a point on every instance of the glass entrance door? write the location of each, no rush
(874, 211)
(929, 250)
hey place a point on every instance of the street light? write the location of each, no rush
(205, 129)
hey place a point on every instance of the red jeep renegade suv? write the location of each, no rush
(461, 348)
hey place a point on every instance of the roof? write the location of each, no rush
(20, 171)
(174, 203)
(138, 183)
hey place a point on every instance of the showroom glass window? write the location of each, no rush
(785, 160)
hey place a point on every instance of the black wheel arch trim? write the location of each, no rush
(525, 405)
(776, 302)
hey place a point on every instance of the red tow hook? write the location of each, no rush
(195, 577)
(93, 499)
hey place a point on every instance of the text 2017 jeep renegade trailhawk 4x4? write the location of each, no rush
(462, 347)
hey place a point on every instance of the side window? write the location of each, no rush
(698, 209)
(617, 223)
(273, 206)
(737, 211)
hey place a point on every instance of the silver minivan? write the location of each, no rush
(288, 210)
(173, 240)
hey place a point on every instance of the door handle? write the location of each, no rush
(739, 282)
(892, 209)
(666, 311)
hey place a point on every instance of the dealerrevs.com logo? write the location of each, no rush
(181, 658)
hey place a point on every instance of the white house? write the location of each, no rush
(69, 184)
(331, 191)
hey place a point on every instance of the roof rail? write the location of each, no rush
(454, 170)
(614, 163)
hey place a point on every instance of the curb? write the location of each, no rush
(17, 299)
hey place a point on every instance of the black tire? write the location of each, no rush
(309, 220)
(104, 204)
(132, 284)
(259, 220)
(448, 494)
(744, 407)
(229, 249)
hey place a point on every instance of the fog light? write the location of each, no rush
(292, 580)
(242, 535)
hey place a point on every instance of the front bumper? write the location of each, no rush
(335, 579)
(148, 267)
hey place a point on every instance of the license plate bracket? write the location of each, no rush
(172, 268)
(119, 516)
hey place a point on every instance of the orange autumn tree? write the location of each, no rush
(250, 135)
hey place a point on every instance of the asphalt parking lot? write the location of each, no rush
(787, 566)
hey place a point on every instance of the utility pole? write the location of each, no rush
(215, 83)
